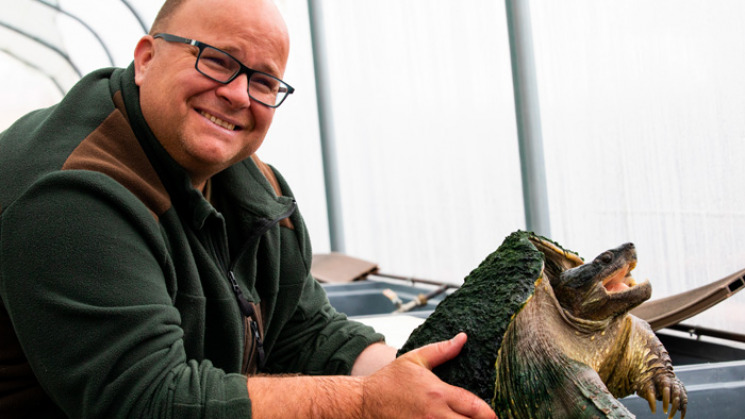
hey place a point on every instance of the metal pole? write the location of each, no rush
(527, 111)
(326, 127)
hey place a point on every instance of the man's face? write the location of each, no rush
(204, 125)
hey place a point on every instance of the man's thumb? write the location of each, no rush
(434, 354)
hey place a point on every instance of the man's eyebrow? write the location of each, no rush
(235, 52)
(229, 49)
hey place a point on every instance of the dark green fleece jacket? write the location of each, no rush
(120, 283)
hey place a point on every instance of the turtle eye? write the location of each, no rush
(605, 258)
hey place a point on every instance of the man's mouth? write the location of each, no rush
(218, 121)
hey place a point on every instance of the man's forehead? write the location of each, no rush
(230, 14)
(249, 30)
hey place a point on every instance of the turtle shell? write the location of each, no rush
(483, 307)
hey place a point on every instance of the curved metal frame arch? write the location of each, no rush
(35, 67)
(85, 25)
(46, 44)
(136, 15)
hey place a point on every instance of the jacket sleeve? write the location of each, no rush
(82, 278)
(317, 340)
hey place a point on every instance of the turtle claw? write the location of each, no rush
(649, 395)
(673, 410)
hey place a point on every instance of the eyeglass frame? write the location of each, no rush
(242, 69)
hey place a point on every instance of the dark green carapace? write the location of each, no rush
(506, 276)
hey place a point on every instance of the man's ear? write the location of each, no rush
(144, 53)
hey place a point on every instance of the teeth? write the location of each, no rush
(218, 121)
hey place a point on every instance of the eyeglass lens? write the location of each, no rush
(221, 67)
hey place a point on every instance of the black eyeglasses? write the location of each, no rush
(223, 68)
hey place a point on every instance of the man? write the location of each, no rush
(150, 263)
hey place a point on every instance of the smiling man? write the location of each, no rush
(204, 125)
(152, 266)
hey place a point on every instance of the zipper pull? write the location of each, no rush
(246, 308)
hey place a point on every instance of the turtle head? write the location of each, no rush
(604, 288)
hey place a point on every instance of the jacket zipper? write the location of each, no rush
(246, 308)
(250, 315)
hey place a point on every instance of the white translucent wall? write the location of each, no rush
(424, 122)
(643, 108)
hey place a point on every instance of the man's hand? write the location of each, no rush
(407, 388)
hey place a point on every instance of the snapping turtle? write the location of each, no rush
(550, 336)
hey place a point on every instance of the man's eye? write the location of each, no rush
(215, 61)
(264, 83)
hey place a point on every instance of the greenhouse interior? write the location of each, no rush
(421, 133)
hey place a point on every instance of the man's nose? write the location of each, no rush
(236, 92)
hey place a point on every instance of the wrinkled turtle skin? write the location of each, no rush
(550, 336)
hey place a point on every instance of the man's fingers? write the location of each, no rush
(469, 405)
(456, 399)
(434, 354)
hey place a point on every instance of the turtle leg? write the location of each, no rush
(656, 379)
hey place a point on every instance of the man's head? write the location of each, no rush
(204, 125)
